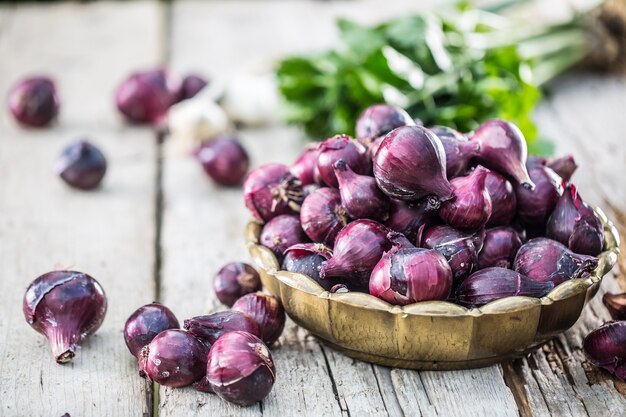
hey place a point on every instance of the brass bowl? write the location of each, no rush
(430, 334)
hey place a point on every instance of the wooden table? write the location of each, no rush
(158, 229)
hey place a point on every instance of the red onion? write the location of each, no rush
(240, 369)
(491, 284)
(407, 218)
(267, 311)
(499, 248)
(191, 85)
(224, 160)
(305, 165)
(407, 275)
(564, 166)
(145, 96)
(82, 165)
(234, 280)
(174, 358)
(271, 190)
(410, 164)
(378, 120)
(358, 248)
(503, 199)
(574, 224)
(34, 102)
(616, 304)
(503, 149)
(213, 326)
(606, 347)
(307, 259)
(542, 260)
(459, 151)
(340, 147)
(66, 307)
(282, 232)
(339, 289)
(145, 323)
(322, 215)
(534, 206)
(470, 208)
(360, 196)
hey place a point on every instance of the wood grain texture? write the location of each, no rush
(44, 225)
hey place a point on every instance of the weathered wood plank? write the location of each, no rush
(44, 225)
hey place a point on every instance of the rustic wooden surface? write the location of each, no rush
(159, 228)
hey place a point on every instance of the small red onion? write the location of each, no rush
(191, 85)
(66, 307)
(240, 369)
(145, 323)
(340, 147)
(282, 232)
(542, 260)
(378, 120)
(358, 248)
(34, 102)
(503, 149)
(360, 196)
(411, 164)
(470, 208)
(82, 165)
(616, 304)
(224, 160)
(499, 247)
(272, 190)
(459, 151)
(564, 166)
(606, 347)
(534, 206)
(234, 280)
(175, 358)
(305, 165)
(307, 259)
(491, 284)
(322, 215)
(408, 219)
(503, 199)
(267, 311)
(211, 327)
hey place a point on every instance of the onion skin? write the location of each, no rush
(191, 85)
(307, 259)
(213, 326)
(459, 151)
(606, 347)
(534, 206)
(234, 280)
(340, 147)
(74, 301)
(491, 284)
(408, 219)
(33, 102)
(322, 216)
(282, 232)
(499, 248)
(175, 358)
(267, 311)
(240, 369)
(564, 166)
(360, 196)
(503, 149)
(470, 207)
(378, 120)
(410, 165)
(503, 200)
(224, 160)
(616, 304)
(543, 260)
(339, 289)
(305, 165)
(82, 166)
(145, 323)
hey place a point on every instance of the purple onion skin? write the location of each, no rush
(240, 369)
(267, 311)
(459, 151)
(373, 147)
(378, 120)
(411, 164)
(282, 232)
(191, 85)
(360, 196)
(340, 147)
(616, 304)
(408, 219)
(145, 323)
(534, 206)
(499, 247)
(304, 167)
(606, 347)
(503, 200)
(470, 207)
(82, 166)
(322, 216)
(307, 259)
(175, 358)
(534, 161)
(574, 224)
(145, 96)
(564, 166)
(213, 326)
(33, 102)
(358, 248)
(544, 260)
(224, 160)
(74, 301)
(271, 190)
(234, 280)
(491, 284)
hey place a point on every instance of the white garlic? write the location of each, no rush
(252, 99)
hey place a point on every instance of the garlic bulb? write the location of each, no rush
(252, 99)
